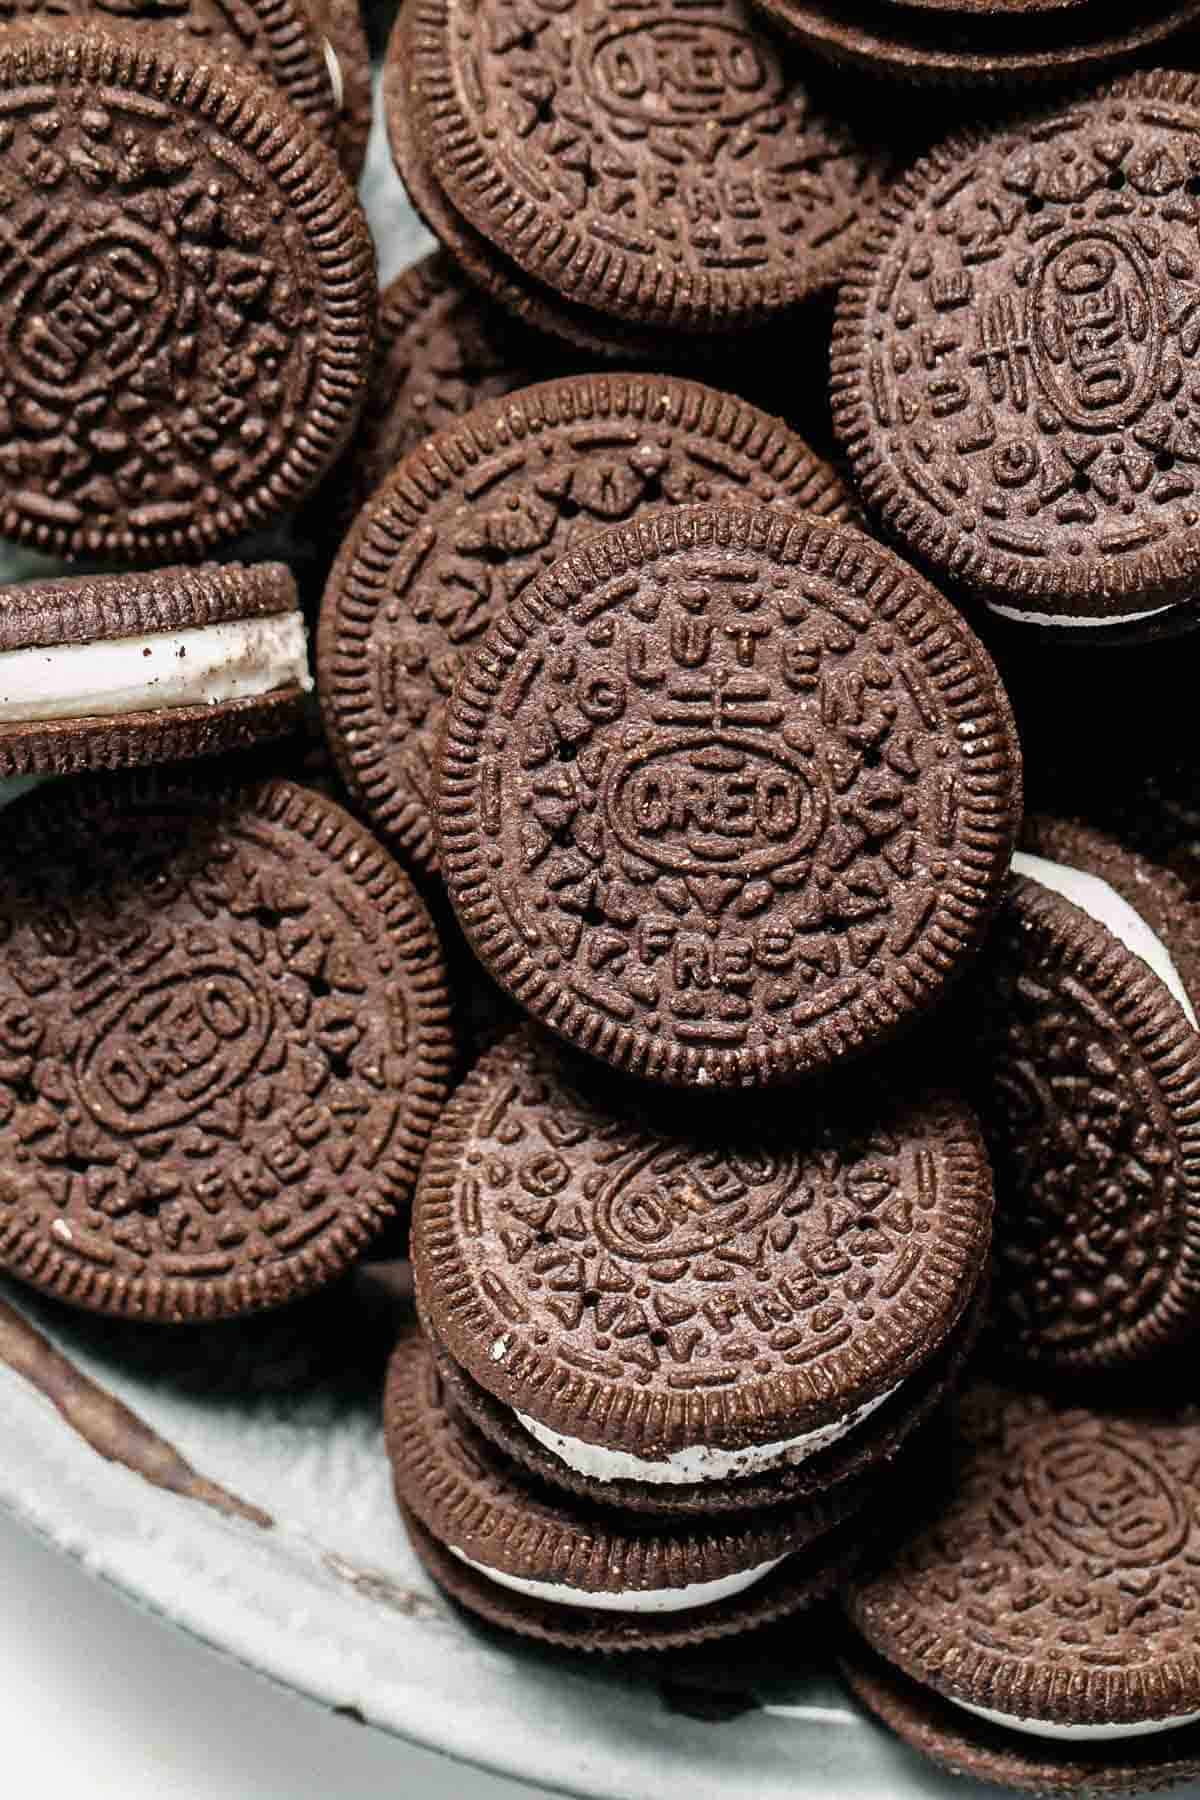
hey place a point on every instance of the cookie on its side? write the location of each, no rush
(1029, 1620)
(106, 671)
(546, 1567)
(1082, 1029)
(680, 1312)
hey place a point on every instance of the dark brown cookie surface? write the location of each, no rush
(668, 166)
(188, 316)
(1049, 1571)
(472, 517)
(224, 1033)
(347, 58)
(625, 1272)
(192, 662)
(1012, 355)
(471, 1520)
(727, 797)
(1088, 1084)
(970, 1747)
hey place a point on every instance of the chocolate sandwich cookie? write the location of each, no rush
(728, 796)
(675, 172)
(223, 1043)
(188, 317)
(1032, 1620)
(1082, 1024)
(475, 514)
(347, 59)
(1011, 353)
(549, 1568)
(994, 43)
(674, 1306)
(107, 670)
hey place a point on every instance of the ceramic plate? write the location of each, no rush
(234, 1481)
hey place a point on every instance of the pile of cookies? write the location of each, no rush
(791, 1089)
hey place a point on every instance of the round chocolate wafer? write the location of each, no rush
(104, 671)
(223, 1043)
(479, 1528)
(728, 796)
(188, 318)
(1011, 353)
(1043, 1569)
(474, 515)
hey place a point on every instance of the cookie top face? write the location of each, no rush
(1051, 1572)
(473, 516)
(1012, 358)
(1089, 1092)
(224, 1040)
(183, 353)
(627, 1272)
(728, 796)
(665, 165)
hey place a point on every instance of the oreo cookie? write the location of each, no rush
(109, 670)
(347, 59)
(1031, 456)
(728, 797)
(1031, 1623)
(572, 152)
(476, 513)
(548, 1568)
(679, 1313)
(187, 338)
(1083, 1029)
(223, 1043)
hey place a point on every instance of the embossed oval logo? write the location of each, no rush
(171, 1048)
(95, 309)
(713, 807)
(671, 72)
(1095, 330)
(1100, 1497)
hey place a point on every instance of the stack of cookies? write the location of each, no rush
(799, 1139)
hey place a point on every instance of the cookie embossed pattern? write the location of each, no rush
(187, 284)
(664, 163)
(726, 797)
(1015, 359)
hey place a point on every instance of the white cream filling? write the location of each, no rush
(696, 1462)
(1102, 902)
(1071, 621)
(333, 68)
(1047, 1728)
(644, 1600)
(198, 667)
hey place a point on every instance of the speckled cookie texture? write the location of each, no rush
(157, 617)
(1088, 1083)
(972, 43)
(1047, 1572)
(475, 514)
(1013, 359)
(728, 797)
(668, 166)
(461, 1502)
(618, 1270)
(223, 1043)
(344, 41)
(183, 354)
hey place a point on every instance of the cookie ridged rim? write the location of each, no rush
(87, 609)
(1084, 1691)
(1156, 574)
(261, 125)
(606, 1411)
(1100, 965)
(358, 586)
(552, 250)
(401, 915)
(503, 1521)
(845, 41)
(959, 672)
(966, 1745)
(342, 27)
(162, 734)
